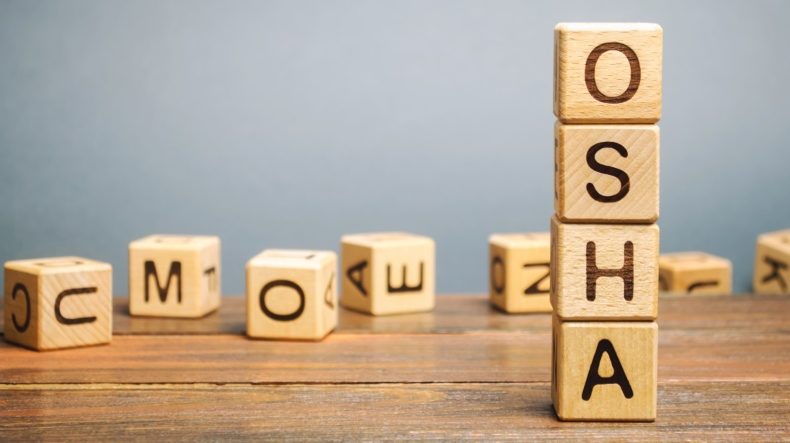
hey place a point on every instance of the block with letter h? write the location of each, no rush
(292, 294)
(772, 263)
(694, 273)
(604, 272)
(519, 272)
(604, 252)
(174, 276)
(55, 303)
(388, 273)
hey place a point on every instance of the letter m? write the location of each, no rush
(175, 273)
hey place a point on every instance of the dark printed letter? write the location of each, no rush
(175, 272)
(619, 174)
(19, 287)
(356, 274)
(77, 320)
(594, 378)
(497, 275)
(282, 317)
(404, 287)
(626, 272)
(589, 72)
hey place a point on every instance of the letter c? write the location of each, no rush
(19, 287)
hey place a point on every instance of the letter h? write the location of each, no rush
(626, 272)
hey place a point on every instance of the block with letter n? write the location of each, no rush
(519, 268)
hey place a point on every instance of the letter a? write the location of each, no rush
(594, 378)
(356, 274)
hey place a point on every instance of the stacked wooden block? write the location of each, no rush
(604, 252)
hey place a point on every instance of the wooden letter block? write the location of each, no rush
(694, 272)
(604, 272)
(604, 371)
(772, 263)
(174, 276)
(519, 272)
(292, 294)
(607, 72)
(607, 173)
(54, 303)
(388, 273)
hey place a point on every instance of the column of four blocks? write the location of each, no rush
(605, 243)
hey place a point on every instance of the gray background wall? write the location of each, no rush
(287, 124)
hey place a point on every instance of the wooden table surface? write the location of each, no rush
(464, 371)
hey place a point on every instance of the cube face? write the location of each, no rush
(292, 294)
(388, 273)
(604, 272)
(56, 303)
(174, 276)
(519, 272)
(605, 370)
(694, 273)
(772, 263)
(607, 173)
(608, 72)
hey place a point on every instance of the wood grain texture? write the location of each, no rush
(692, 411)
(724, 372)
(694, 272)
(607, 173)
(604, 272)
(607, 72)
(388, 273)
(292, 294)
(174, 276)
(772, 263)
(716, 354)
(519, 272)
(58, 303)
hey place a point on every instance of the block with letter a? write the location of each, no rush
(388, 273)
(174, 276)
(605, 370)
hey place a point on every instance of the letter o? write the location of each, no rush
(592, 61)
(498, 287)
(282, 317)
